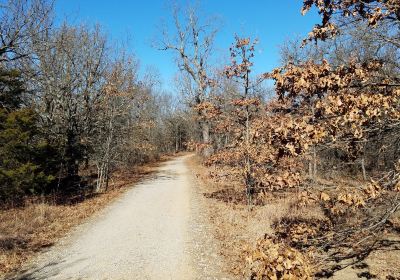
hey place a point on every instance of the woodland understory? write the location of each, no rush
(303, 177)
(323, 149)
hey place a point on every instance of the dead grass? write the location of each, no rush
(237, 226)
(25, 231)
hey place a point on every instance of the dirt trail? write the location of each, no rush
(154, 231)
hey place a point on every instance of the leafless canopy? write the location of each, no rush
(21, 23)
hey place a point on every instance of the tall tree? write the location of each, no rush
(22, 22)
(68, 87)
(192, 42)
(23, 162)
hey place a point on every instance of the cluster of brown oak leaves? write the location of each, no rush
(373, 11)
(315, 104)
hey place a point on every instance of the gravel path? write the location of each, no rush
(156, 230)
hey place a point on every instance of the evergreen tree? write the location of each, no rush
(23, 153)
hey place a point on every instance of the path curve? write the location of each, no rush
(154, 231)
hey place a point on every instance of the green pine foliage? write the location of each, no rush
(23, 168)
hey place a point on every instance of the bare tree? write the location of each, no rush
(113, 115)
(70, 76)
(22, 22)
(192, 43)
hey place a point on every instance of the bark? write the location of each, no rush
(205, 132)
(314, 162)
(364, 172)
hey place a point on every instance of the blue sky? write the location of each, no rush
(272, 22)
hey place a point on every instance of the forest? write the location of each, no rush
(319, 135)
(72, 102)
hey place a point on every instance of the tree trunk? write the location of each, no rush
(99, 177)
(314, 162)
(107, 175)
(71, 159)
(205, 132)
(364, 172)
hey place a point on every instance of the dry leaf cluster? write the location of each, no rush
(273, 260)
